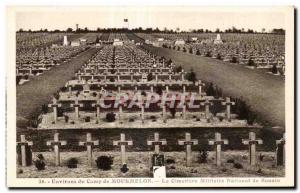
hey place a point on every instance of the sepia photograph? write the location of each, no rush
(110, 96)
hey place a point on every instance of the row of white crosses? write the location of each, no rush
(188, 142)
(77, 105)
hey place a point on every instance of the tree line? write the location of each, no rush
(153, 30)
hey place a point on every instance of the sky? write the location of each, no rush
(185, 18)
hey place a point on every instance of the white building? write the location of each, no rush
(65, 43)
(118, 42)
(218, 40)
(194, 39)
(75, 43)
(82, 41)
(179, 42)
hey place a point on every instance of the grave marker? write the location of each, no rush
(188, 142)
(98, 106)
(76, 105)
(156, 142)
(56, 143)
(206, 104)
(89, 145)
(24, 143)
(228, 107)
(54, 105)
(123, 143)
(252, 142)
(218, 142)
(280, 151)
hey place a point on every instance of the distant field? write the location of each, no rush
(264, 92)
(40, 89)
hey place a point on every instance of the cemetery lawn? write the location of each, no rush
(139, 166)
(264, 92)
(40, 89)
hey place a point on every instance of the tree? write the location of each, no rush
(191, 76)
(274, 69)
(210, 91)
(178, 69)
(172, 111)
(251, 62)
(233, 60)
(150, 77)
(69, 30)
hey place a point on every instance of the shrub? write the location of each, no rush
(172, 111)
(197, 52)
(87, 119)
(72, 163)
(261, 157)
(191, 76)
(251, 63)
(35, 120)
(44, 108)
(281, 72)
(203, 155)
(63, 89)
(152, 117)
(150, 76)
(94, 94)
(274, 69)
(233, 60)
(170, 161)
(184, 49)
(104, 162)
(40, 162)
(230, 161)
(178, 69)
(238, 166)
(66, 118)
(18, 78)
(124, 168)
(110, 117)
(159, 90)
(143, 93)
(219, 56)
(208, 54)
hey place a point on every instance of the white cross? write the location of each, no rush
(156, 142)
(228, 106)
(123, 143)
(23, 143)
(89, 145)
(54, 105)
(56, 143)
(188, 142)
(218, 142)
(252, 142)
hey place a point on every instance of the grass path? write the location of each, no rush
(40, 89)
(264, 92)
